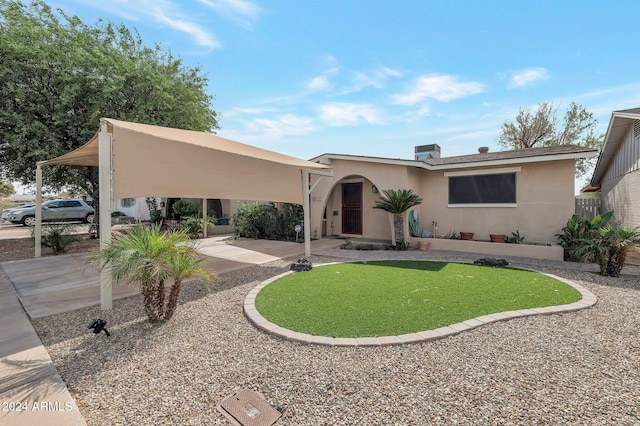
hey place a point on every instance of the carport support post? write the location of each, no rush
(104, 161)
(306, 192)
(38, 231)
(204, 218)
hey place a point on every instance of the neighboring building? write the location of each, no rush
(135, 208)
(617, 172)
(529, 190)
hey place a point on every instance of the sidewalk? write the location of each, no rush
(31, 390)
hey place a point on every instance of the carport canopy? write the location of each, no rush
(140, 160)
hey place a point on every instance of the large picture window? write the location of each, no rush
(497, 188)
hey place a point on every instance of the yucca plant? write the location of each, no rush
(148, 257)
(398, 202)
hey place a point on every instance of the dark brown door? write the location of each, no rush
(352, 208)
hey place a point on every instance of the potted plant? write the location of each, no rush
(498, 238)
(466, 236)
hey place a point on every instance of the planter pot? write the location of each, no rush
(466, 235)
(423, 245)
(497, 238)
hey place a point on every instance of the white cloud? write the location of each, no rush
(284, 125)
(163, 12)
(524, 77)
(440, 87)
(349, 114)
(376, 78)
(319, 83)
(241, 12)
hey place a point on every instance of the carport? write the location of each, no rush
(140, 160)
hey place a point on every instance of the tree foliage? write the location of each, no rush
(541, 127)
(6, 189)
(59, 76)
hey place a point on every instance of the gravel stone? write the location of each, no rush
(577, 368)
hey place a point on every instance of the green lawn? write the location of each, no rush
(397, 297)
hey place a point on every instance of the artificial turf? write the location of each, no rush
(397, 297)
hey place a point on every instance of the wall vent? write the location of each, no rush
(636, 128)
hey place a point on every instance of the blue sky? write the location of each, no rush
(377, 77)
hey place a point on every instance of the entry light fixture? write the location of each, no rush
(374, 189)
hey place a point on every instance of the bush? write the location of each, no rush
(577, 231)
(58, 237)
(194, 226)
(266, 221)
(608, 246)
(185, 209)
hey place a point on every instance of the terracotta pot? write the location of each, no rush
(466, 235)
(497, 238)
(423, 245)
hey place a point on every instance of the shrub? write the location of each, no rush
(577, 231)
(194, 226)
(515, 238)
(608, 246)
(185, 208)
(57, 237)
(266, 221)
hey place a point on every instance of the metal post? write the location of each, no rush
(204, 217)
(104, 155)
(38, 230)
(307, 214)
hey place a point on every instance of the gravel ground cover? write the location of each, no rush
(577, 368)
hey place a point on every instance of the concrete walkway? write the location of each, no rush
(31, 390)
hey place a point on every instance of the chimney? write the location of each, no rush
(425, 152)
(483, 149)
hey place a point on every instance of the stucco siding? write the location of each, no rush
(544, 195)
(544, 202)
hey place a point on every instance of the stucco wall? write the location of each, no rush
(545, 201)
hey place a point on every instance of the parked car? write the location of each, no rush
(5, 212)
(54, 211)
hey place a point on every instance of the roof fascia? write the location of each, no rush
(474, 164)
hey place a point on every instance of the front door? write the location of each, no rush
(352, 208)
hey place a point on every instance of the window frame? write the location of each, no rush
(484, 172)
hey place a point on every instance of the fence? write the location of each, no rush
(589, 207)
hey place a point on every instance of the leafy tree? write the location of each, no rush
(59, 76)
(398, 202)
(540, 127)
(148, 257)
(6, 189)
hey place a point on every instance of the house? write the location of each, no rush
(617, 171)
(529, 190)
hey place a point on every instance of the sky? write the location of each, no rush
(378, 77)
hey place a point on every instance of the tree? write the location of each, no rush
(541, 128)
(6, 189)
(398, 202)
(147, 257)
(59, 76)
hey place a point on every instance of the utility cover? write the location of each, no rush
(250, 409)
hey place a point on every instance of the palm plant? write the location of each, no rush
(396, 203)
(147, 257)
(609, 246)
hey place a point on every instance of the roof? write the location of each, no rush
(529, 155)
(618, 126)
(161, 161)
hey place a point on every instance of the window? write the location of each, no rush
(127, 202)
(71, 203)
(474, 189)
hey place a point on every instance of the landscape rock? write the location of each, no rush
(491, 261)
(301, 265)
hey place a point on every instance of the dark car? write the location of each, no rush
(54, 211)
